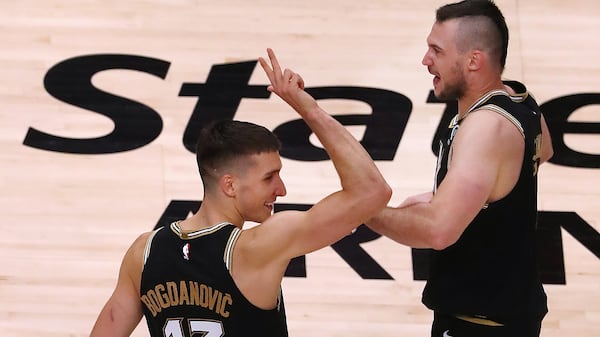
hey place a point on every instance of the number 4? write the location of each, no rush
(206, 328)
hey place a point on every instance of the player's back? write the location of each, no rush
(186, 287)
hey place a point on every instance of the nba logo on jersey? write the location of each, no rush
(186, 251)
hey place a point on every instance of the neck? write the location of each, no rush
(477, 91)
(210, 214)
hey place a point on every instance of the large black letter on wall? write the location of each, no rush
(349, 249)
(384, 126)
(69, 81)
(220, 97)
(556, 112)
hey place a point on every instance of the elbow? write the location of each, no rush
(441, 240)
(547, 153)
(385, 193)
(380, 193)
(372, 198)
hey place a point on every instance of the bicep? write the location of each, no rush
(288, 234)
(480, 149)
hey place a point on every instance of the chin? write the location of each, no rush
(261, 218)
(444, 96)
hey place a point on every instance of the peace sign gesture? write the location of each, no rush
(288, 85)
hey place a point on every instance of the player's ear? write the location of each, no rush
(226, 183)
(476, 59)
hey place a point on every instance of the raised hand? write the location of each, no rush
(288, 85)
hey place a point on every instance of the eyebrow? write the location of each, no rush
(272, 172)
(434, 45)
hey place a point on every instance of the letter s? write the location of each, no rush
(69, 81)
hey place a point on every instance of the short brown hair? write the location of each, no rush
(221, 142)
(486, 26)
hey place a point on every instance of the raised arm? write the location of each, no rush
(364, 191)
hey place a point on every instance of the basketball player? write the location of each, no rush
(206, 275)
(480, 219)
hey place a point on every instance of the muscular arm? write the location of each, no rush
(364, 190)
(263, 252)
(484, 167)
(123, 311)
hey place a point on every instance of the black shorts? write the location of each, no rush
(451, 326)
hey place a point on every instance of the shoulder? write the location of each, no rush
(140, 242)
(487, 118)
(267, 242)
(501, 111)
(135, 254)
(277, 227)
(486, 133)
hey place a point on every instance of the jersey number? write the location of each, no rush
(205, 328)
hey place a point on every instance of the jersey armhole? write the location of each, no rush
(148, 245)
(506, 115)
(228, 254)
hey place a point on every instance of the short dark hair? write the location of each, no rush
(221, 142)
(487, 27)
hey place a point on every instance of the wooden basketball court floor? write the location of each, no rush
(67, 218)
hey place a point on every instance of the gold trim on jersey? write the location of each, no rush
(228, 254)
(504, 113)
(201, 232)
(517, 98)
(486, 97)
(481, 320)
(148, 244)
(480, 105)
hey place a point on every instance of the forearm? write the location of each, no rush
(356, 169)
(115, 321)
(353, 164)
(411, 226)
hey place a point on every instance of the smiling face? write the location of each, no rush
(445, 62)
(257, 184)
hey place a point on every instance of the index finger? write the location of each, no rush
(266, 68)
(274, 62)
(274, 73)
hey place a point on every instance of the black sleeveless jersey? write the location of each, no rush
(492, 269)
(187, 290)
